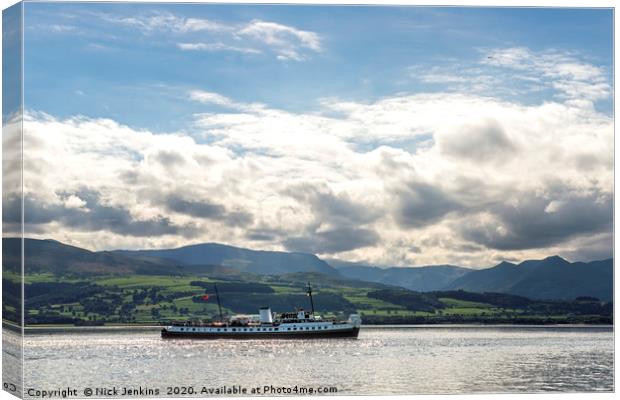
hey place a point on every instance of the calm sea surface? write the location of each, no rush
(413, 360)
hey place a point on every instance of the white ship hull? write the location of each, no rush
(298, 330)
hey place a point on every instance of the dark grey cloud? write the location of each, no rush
(94, 216)
(588, 162)
(35, 212)
(531, 222)
(202, 209)
(344, 216)
(332, 241)
(115, 219)
(207, 210)
(265, 234)
(130, 177)
(11, 209)
(169, 158)
(329, 207)
(485, 141)
(260, 236)
(420, 204)
(239, 218)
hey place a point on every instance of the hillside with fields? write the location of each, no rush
(152, 299)
(68, 285)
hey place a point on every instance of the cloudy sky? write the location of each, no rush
(389, 135)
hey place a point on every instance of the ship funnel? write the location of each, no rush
(265, 315)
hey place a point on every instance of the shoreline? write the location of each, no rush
(29, 330)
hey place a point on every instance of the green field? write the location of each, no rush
(153, 299)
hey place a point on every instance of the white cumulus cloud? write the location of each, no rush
(478, 180)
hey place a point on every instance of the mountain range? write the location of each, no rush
(245, 260)
(421, 279)
(550, 278)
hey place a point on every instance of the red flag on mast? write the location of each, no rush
(205, 297)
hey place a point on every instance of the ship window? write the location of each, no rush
(294, 329)
(275, 329)
(194, 329)
(288, 329)
(234, 329)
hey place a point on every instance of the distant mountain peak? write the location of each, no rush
(263, 262)
(556, 258)
(550, 278)
(506, 264)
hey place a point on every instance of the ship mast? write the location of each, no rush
(219, 305)
(309, 291)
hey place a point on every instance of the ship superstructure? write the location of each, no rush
(267, 325)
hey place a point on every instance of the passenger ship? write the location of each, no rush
(267, 325)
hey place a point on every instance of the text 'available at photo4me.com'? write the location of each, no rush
(177, 391)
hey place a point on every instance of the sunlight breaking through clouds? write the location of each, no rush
(411, 136)
(493, 173)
